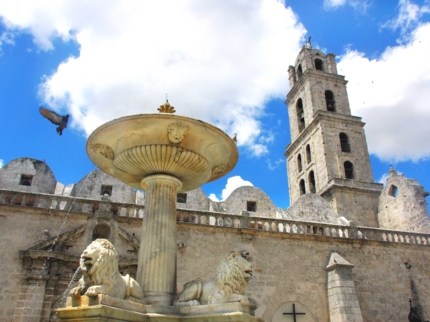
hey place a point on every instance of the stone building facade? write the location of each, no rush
(348, 249)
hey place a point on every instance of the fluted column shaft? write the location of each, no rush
(156, 271)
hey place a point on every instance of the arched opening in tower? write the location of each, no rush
(329, 100)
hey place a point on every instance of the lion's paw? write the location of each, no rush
(92, 291)
(193, 303)
(76, 291)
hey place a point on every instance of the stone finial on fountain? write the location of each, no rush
(99, 265)
(228, 286)
(166, 108)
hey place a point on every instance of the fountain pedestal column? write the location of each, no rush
(157, 256)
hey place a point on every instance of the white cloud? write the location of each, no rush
(273, 165)
(232, 184)
(1, 163)
(334, 3)
(6, 38)
(218, 61)
(268, 137)
(383, 178)
(360, 5)
(391, 94)
(213, 197)
(408, 18)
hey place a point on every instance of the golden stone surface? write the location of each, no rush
(134, 147)
(106, 308)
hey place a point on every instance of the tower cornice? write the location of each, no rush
(351, 185)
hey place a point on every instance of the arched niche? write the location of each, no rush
(287, 311)
(102, 230)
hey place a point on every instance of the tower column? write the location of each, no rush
(156, 271)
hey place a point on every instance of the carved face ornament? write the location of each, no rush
(176, 132)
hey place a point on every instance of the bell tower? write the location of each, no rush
(328, 152)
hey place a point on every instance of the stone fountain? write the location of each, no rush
(163, 154)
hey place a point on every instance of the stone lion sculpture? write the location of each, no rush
(99, 265)
(229, 285)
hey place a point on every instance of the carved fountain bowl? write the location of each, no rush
(134, 147)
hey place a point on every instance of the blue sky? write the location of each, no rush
(224, 62)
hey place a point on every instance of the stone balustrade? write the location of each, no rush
(301, 227)
(92, 206)
(66, 203)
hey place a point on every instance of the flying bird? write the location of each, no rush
(60, 120)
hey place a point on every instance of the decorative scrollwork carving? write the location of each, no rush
(104, 150)
(218, 169)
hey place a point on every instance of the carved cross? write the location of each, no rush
(294, 313)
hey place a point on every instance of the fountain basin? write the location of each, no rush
(134, 147)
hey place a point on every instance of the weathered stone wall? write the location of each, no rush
(20, 229)
(287, 267)
(362, 207)
(24, 291)
(358, 154)
(311, 207)
(236, 203)
(293, 268)
(335, 84)
(42, 178)
(402, 205)
(292, 99)
(196, 200)
(314, 140)
(238, 199)
(91, 185)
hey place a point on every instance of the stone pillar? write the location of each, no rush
(156, 272)
(292, 76)
(342, 296)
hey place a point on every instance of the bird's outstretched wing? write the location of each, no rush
(50, 115)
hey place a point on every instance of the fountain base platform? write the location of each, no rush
(104, 308)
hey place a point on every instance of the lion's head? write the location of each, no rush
(233, 273)
(176, 132)
(99, 261)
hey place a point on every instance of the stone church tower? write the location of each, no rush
(328, 152)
